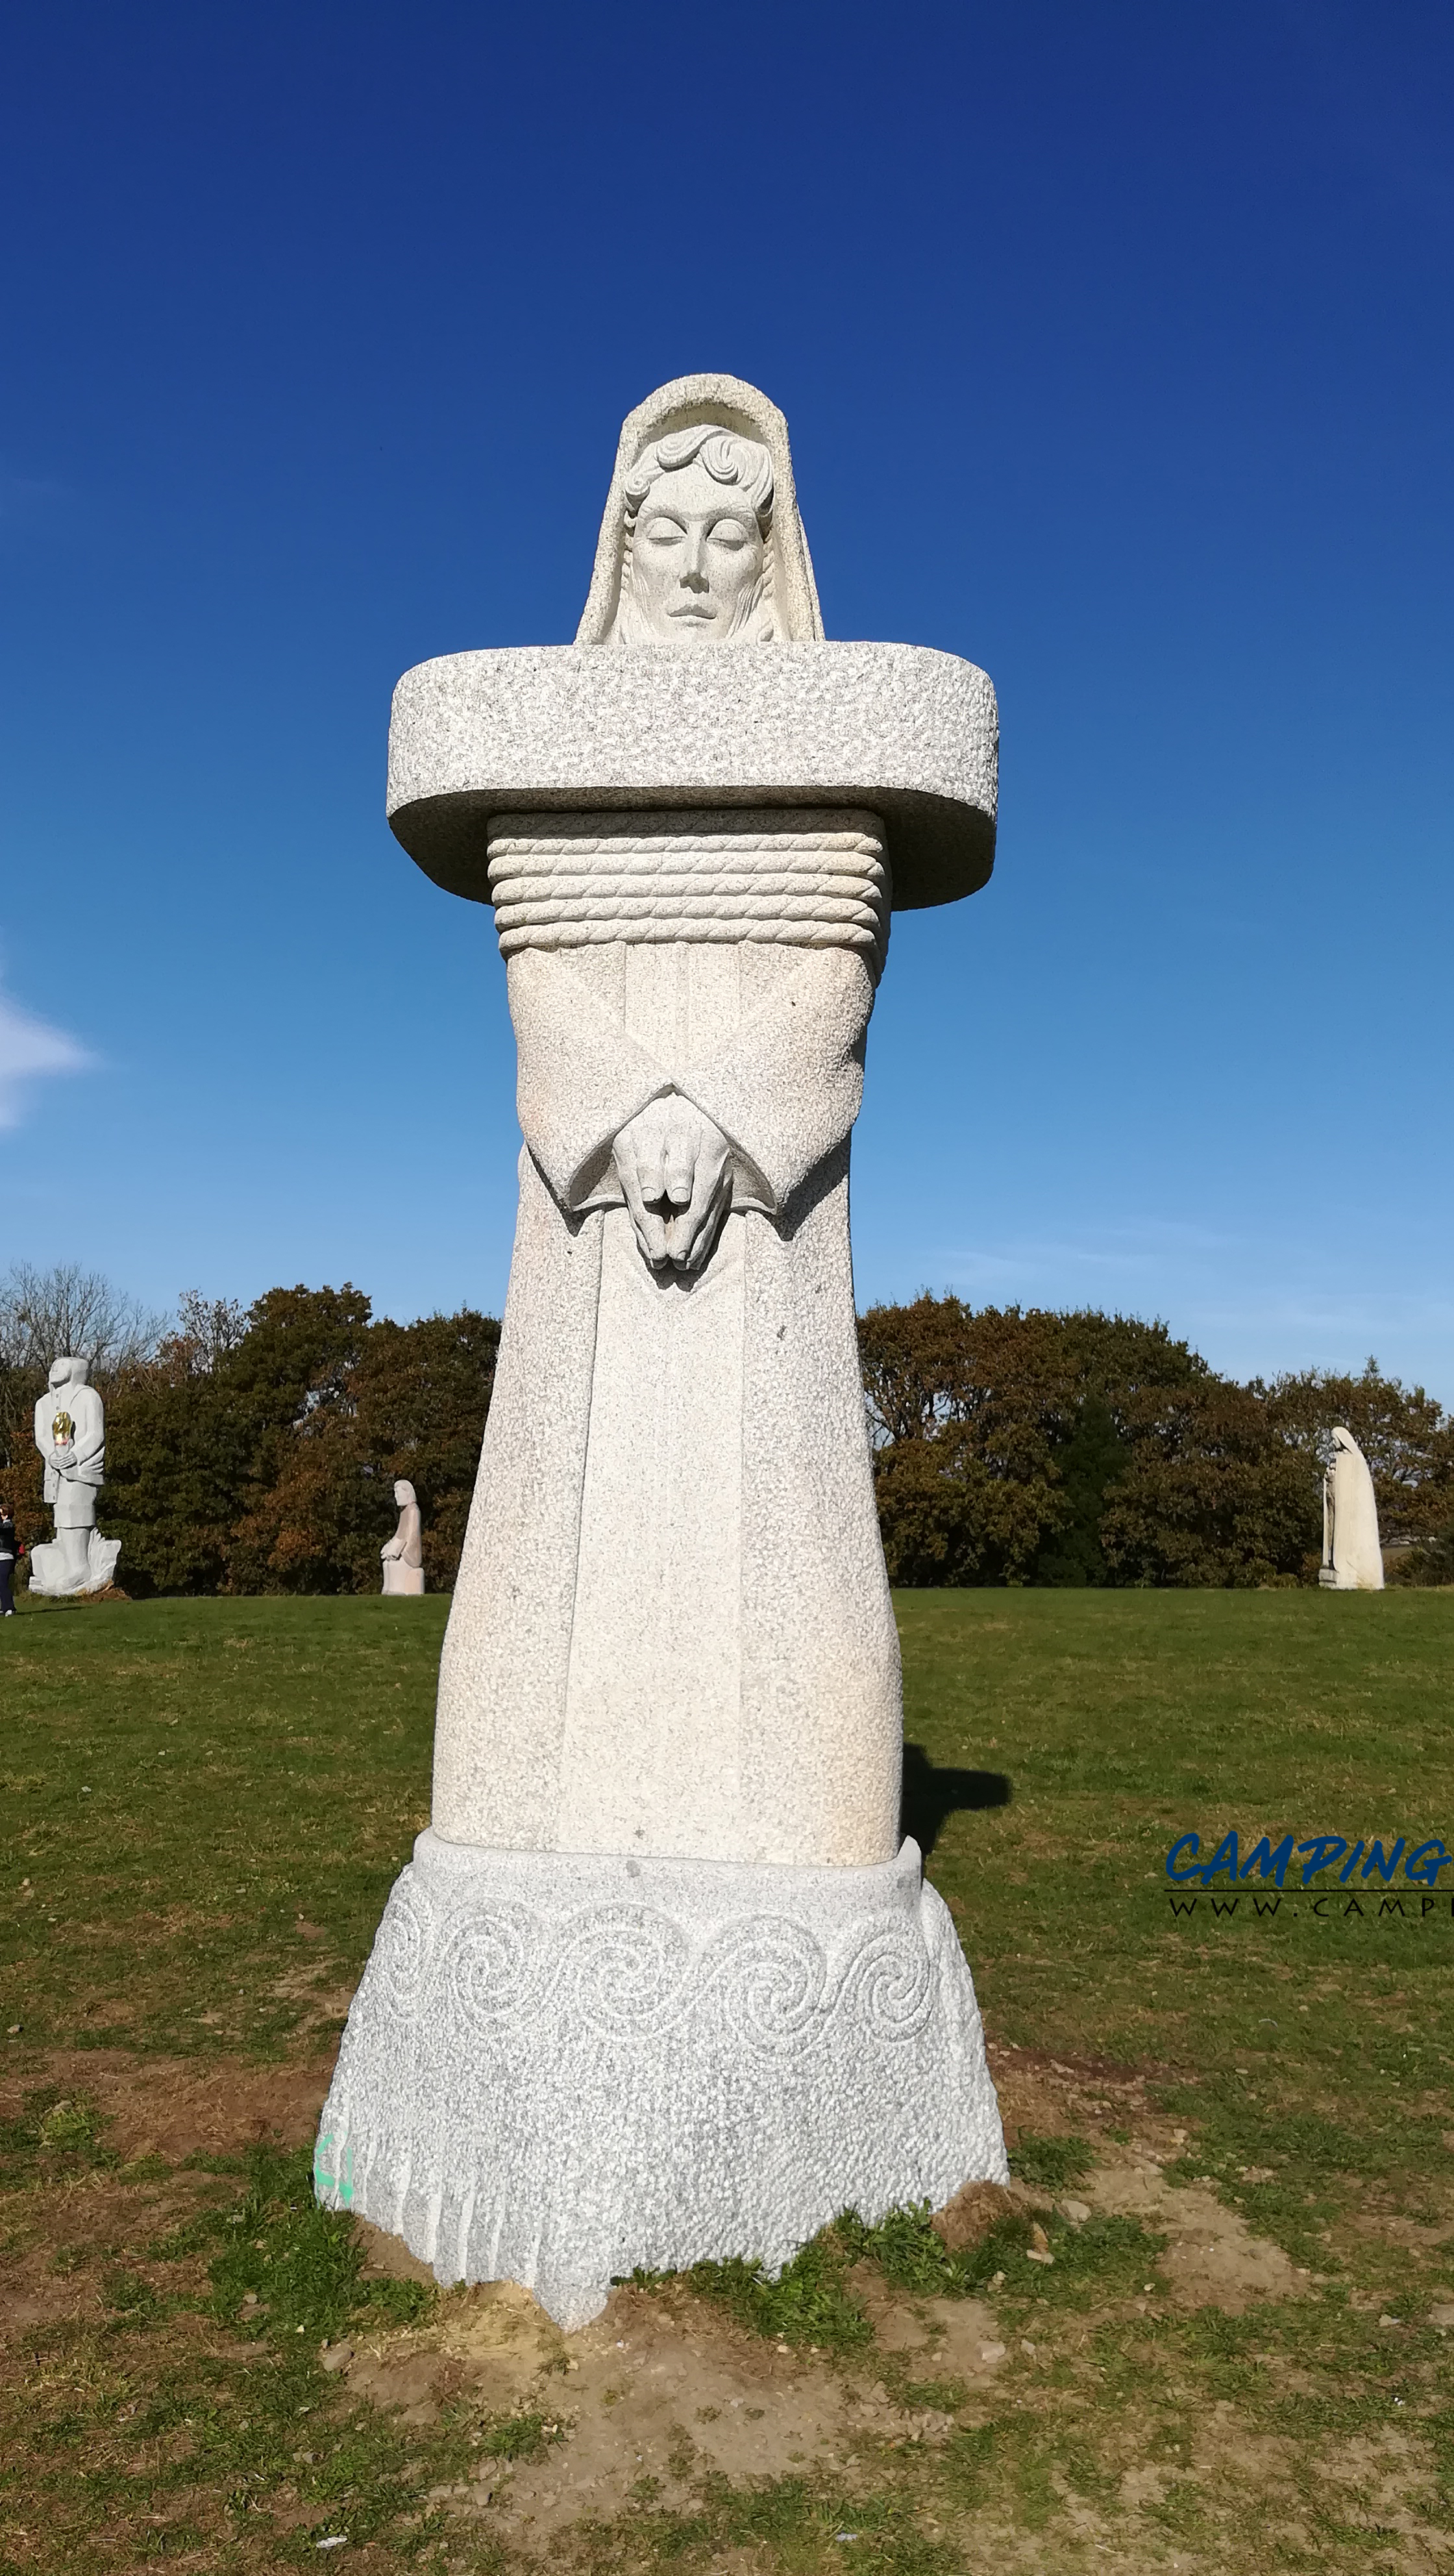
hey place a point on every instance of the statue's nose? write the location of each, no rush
(693, 577)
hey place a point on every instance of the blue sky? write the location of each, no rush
(1115, 342)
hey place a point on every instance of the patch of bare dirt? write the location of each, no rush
(662, 2386)
(1053, 2095)
(321, 1994)
(33, 2294)
(665, 2388)
(1379, 2473)
(390, 2257)
(1415, 2235)
(975, 2209)
(181, 2106)
(1212, 2258)
(947, 2338)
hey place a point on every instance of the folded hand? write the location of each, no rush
(675, 1171)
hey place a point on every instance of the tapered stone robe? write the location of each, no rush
(672, 1613)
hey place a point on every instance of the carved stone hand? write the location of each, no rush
(675, 1171)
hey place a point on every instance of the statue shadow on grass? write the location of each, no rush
(933, 1794)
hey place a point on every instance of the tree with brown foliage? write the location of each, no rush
(966, 1409)
(999, 1431)
(257, 1452)
(412, 1402)
(178, 1455)
(290, 1381)
(1213, 1498)
(1017, 1446)
(1405, 1435)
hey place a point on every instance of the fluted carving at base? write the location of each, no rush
(561, 2066)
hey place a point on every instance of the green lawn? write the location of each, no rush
(204, 1805)
(183, 1779)
(1123, 1720)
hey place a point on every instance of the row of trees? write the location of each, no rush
(1017, 1446)
(256, 1451)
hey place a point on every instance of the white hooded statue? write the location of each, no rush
(664, 1980)
(403, 1554)
(70, 1433)
(1352, 1556)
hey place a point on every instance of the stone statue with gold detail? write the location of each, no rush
(70, 1433)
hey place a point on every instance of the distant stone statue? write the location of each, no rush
(403, 1554)
(70, 1433)
(1352, 1556)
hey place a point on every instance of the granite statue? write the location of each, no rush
(663, 1979)
(403, 1554)
(1352, 1555)
(70, 1433)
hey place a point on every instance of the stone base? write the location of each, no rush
(560, 2066)
(403, 1581)
(76, 1560)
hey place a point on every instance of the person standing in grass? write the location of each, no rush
(7, 1563)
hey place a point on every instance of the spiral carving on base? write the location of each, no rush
(620, 1969)
(403, 1948)
(559, 2067)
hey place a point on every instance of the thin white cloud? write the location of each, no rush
(29, 1050)
(1252, 1305)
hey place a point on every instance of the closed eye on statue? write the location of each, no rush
(663, 532)
(730, 532)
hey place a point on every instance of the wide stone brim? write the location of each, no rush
(906, 732)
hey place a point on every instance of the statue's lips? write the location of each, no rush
(900, 731)
(689, 608)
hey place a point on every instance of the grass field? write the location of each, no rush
(1240, 2353)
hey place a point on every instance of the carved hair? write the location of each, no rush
(727, 458)
(738, 463)
(730, 425)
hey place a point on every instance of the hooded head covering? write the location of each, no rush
(721, 402)
(76, 1373)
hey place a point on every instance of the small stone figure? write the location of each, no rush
(70, 1433)
(1352, 1556)
(403, 1555)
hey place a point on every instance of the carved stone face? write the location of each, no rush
(696, 559)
